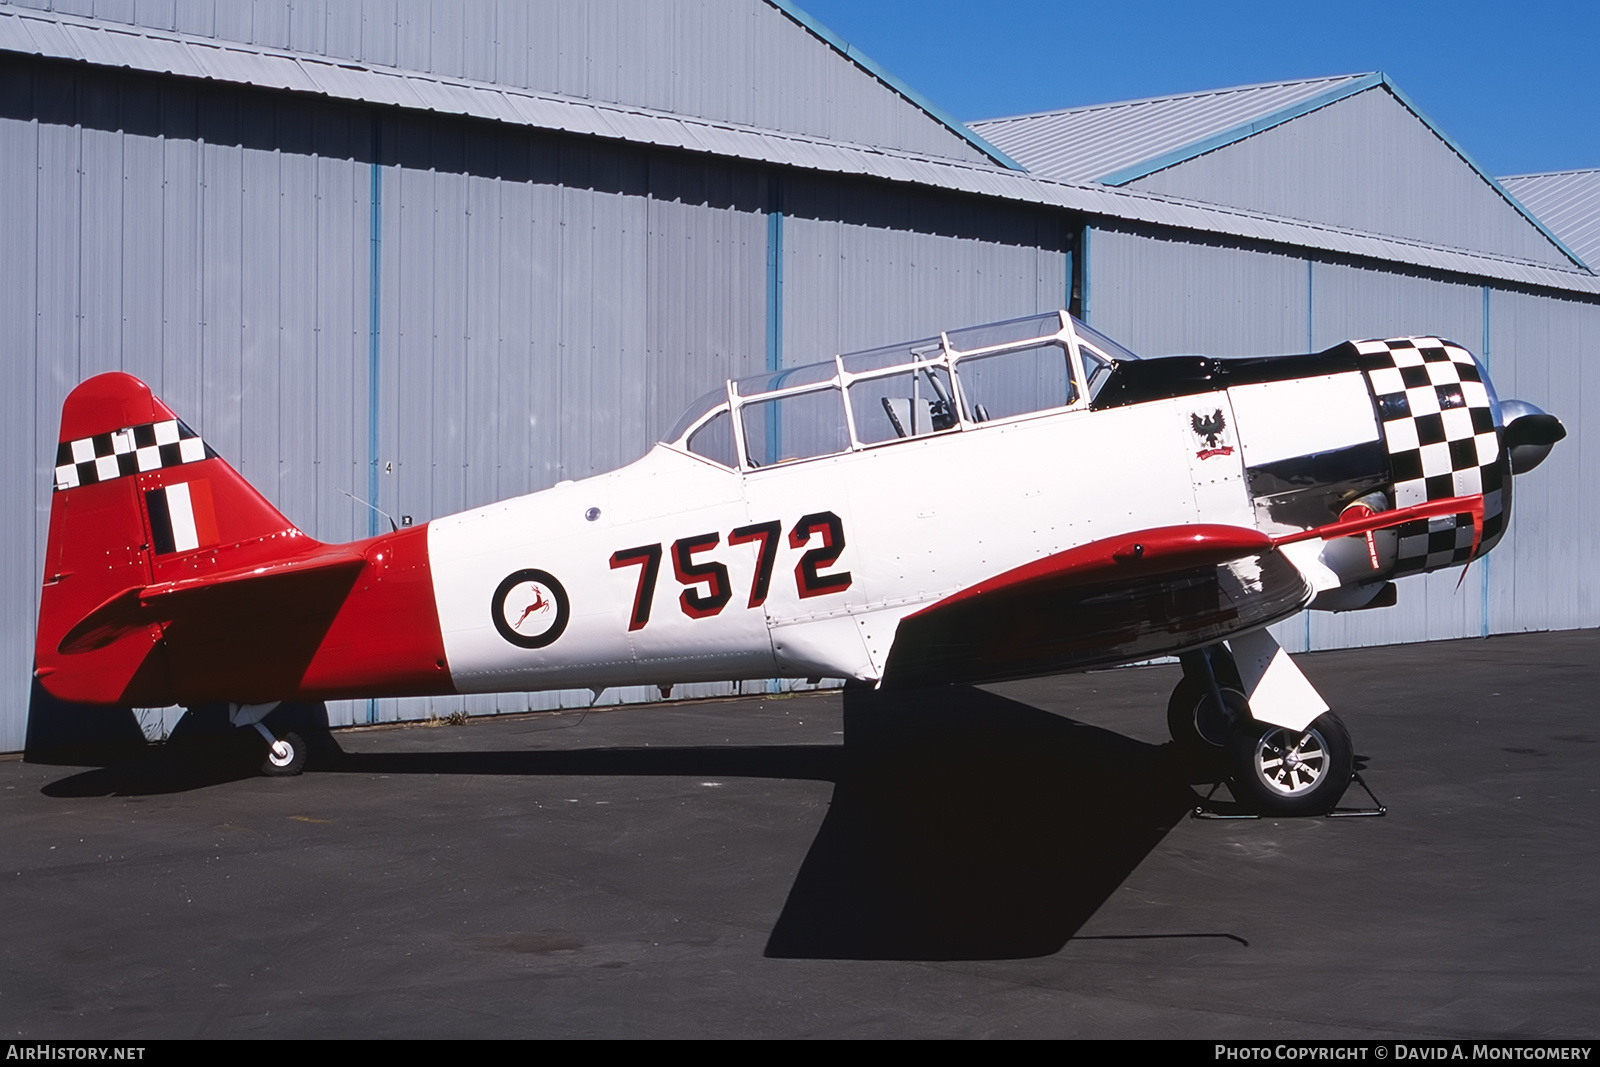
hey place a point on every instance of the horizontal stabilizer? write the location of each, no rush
(163, 602)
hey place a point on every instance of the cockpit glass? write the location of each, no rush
(892, 355)
(714, 440)
(789, 378)
(795, 426)
(1004, 333)
(696, 412)
(1106, 345)
(1017, 381)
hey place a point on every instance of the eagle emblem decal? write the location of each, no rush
(1211, 429)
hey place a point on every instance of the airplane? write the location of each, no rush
(1010, 500)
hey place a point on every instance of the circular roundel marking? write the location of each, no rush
(530, 608)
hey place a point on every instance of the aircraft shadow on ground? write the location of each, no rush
(963, 825)
(968, 826)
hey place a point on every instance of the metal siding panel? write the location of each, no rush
(343, 210)
(475, 25)
(896, 267)
(261, 287)
(706, 293)
(181, 263)
(1366, 163)
(297, 329)
(197, 17)
(380, 31)
(269, 23)
(1164, 297)
(513, 48)
(413, 27)
(222, 280)
(24, 486)
(100, 252)
(141, 344)
(484, 232)
(406, 363)
(232, 21)
(159, 14)
(308, 24)
(341, 30)
(527, 284)
(446, 493)
(1542, 576)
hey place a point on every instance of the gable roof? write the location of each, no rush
(862, 60)
(1119, 143)
(1568, 202)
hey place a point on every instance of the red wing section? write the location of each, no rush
(1123, 598)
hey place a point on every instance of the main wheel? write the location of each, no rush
(1291, 772)
(1195, 721)
(286, 757)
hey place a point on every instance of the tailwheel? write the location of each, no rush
(1291, 772)
(286, 756)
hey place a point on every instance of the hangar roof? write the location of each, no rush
(1115, 143)
(1568, 202)
(1122, 143)
(67, 37)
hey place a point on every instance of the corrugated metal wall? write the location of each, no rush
(738, 61)
(1367, 163)
(1543, 577)
(866, 265)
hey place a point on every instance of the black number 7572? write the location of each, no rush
(700, 603)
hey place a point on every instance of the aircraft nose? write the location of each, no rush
(1530, 434)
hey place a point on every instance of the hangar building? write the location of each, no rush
(433, 254)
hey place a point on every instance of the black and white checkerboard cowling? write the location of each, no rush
(1438, 426)
(132, 450)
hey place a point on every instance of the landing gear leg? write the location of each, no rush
(1207, 703)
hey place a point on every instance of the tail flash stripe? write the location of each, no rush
(132, 450)
(181, 508)
(155, 501)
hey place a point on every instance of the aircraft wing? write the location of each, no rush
(1108, 601)
(1123, 598)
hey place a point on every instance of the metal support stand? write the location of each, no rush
(1205, 809)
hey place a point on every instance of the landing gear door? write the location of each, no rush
(1216, 462)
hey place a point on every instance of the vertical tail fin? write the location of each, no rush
(139, 500)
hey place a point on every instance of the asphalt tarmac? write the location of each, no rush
(1013, 861)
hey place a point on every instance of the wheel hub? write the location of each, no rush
(1290, 763)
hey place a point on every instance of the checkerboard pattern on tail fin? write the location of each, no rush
(1439, 429)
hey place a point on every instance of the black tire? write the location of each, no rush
(1193, 718)
(1288, 772)
(274, 766)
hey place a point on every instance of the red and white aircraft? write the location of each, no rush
(1011, 500)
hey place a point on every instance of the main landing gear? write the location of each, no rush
(1272, 770)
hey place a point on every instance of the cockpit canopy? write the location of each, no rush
(959, 380)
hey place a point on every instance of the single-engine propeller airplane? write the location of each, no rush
(1010, 500)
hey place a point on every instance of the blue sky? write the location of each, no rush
(1517, 85)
